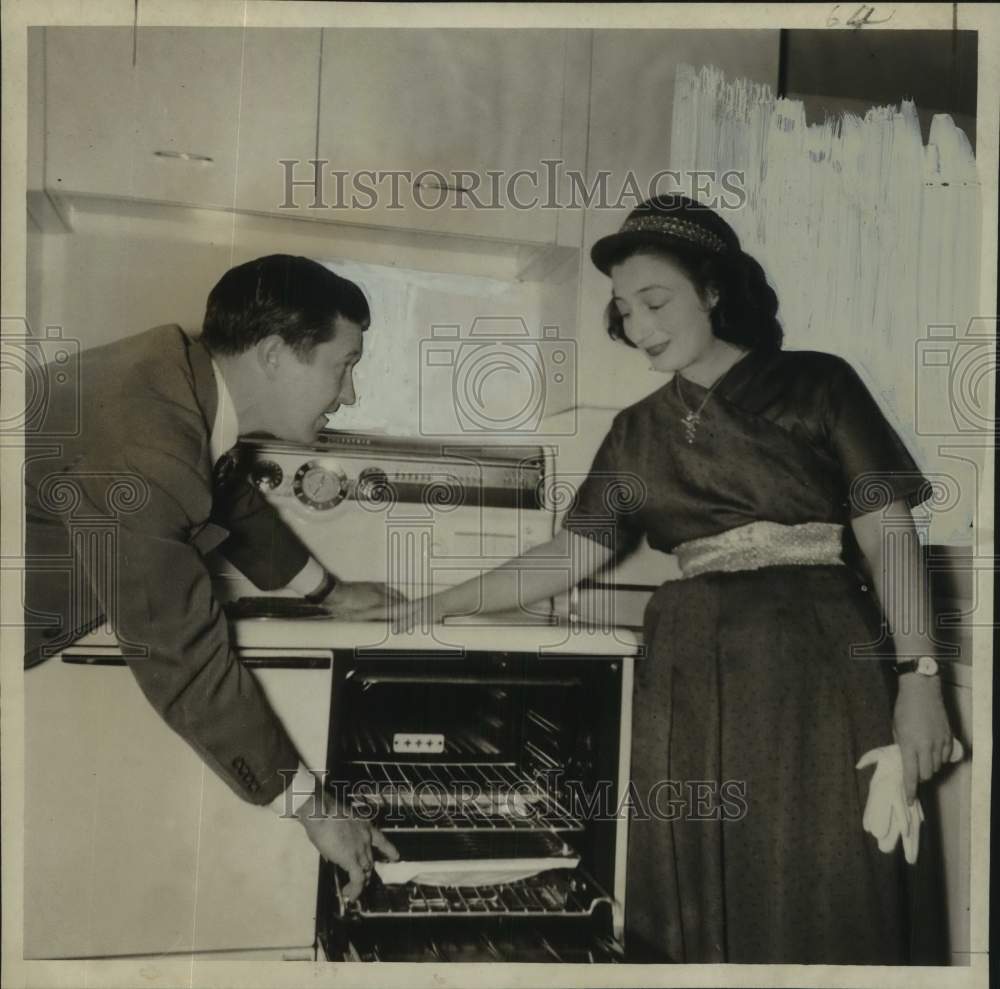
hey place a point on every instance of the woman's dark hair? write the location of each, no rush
(746, 312)
(293, 297)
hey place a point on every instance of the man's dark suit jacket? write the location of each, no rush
(120, 513)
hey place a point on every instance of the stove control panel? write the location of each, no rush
(319, 482)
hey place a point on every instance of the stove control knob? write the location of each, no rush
(373, 485)
(267, 475)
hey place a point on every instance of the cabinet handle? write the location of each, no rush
(91, 659)
(185, 156)
(287, 663)
(255, 663)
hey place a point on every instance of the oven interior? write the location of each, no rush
(495, 775)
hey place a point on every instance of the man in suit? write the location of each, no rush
(131, 477)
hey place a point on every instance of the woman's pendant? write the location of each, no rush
(690, 420)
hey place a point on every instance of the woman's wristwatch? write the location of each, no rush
(327, 584)
(924, 665)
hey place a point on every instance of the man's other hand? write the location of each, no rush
(344, 840)
(349, 598)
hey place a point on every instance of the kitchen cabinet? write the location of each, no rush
(133, 846)
(116, 128)
(447, 101)
(205, 117)
(200, 117)
(110, 820)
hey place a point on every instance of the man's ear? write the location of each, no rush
(270, 353)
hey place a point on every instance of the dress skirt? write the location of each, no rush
(750, 712)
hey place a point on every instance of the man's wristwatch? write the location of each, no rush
(925, 665)
(327, 584)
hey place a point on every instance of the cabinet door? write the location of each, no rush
(90, 110)
(443, 101)
(162, 127)
(203, 116)
(134, 847)
(111, 818)
(278, 106)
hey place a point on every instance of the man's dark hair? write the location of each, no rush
(293, 297)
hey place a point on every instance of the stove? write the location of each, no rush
(491, 749)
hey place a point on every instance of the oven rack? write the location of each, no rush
(456, 796)
(550, 894)
(488, 947)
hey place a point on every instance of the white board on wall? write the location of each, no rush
(871, 241)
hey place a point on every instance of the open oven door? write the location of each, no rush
(133, 846)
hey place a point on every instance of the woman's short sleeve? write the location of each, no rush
(606, 505)
(877, 468)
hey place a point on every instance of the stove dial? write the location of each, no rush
(320, 484)
(267, 475)
(373, 485)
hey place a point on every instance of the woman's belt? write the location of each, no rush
(762, 544)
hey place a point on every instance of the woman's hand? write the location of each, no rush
(403, 615)
(920, 725)
(354, 599)
(406, 616)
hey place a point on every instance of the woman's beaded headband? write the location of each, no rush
(675, 227)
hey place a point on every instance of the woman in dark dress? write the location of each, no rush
(773, 477)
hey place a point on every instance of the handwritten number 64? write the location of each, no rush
(865, 14)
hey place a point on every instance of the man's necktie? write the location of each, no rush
(225, 466)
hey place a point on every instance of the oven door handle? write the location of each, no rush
(368, 680)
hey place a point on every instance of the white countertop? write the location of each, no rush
(270, 633)
(478, 634)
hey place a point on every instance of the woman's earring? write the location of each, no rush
(716, 315)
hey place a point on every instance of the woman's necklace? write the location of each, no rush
(692, 417)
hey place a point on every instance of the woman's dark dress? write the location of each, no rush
(750, 680)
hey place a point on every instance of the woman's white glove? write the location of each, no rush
(888, 816)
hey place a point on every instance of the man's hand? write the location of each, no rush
(920, 725)
(344, 840)
(352, 598)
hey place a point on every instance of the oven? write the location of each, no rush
(496, 776)
(493, 752)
